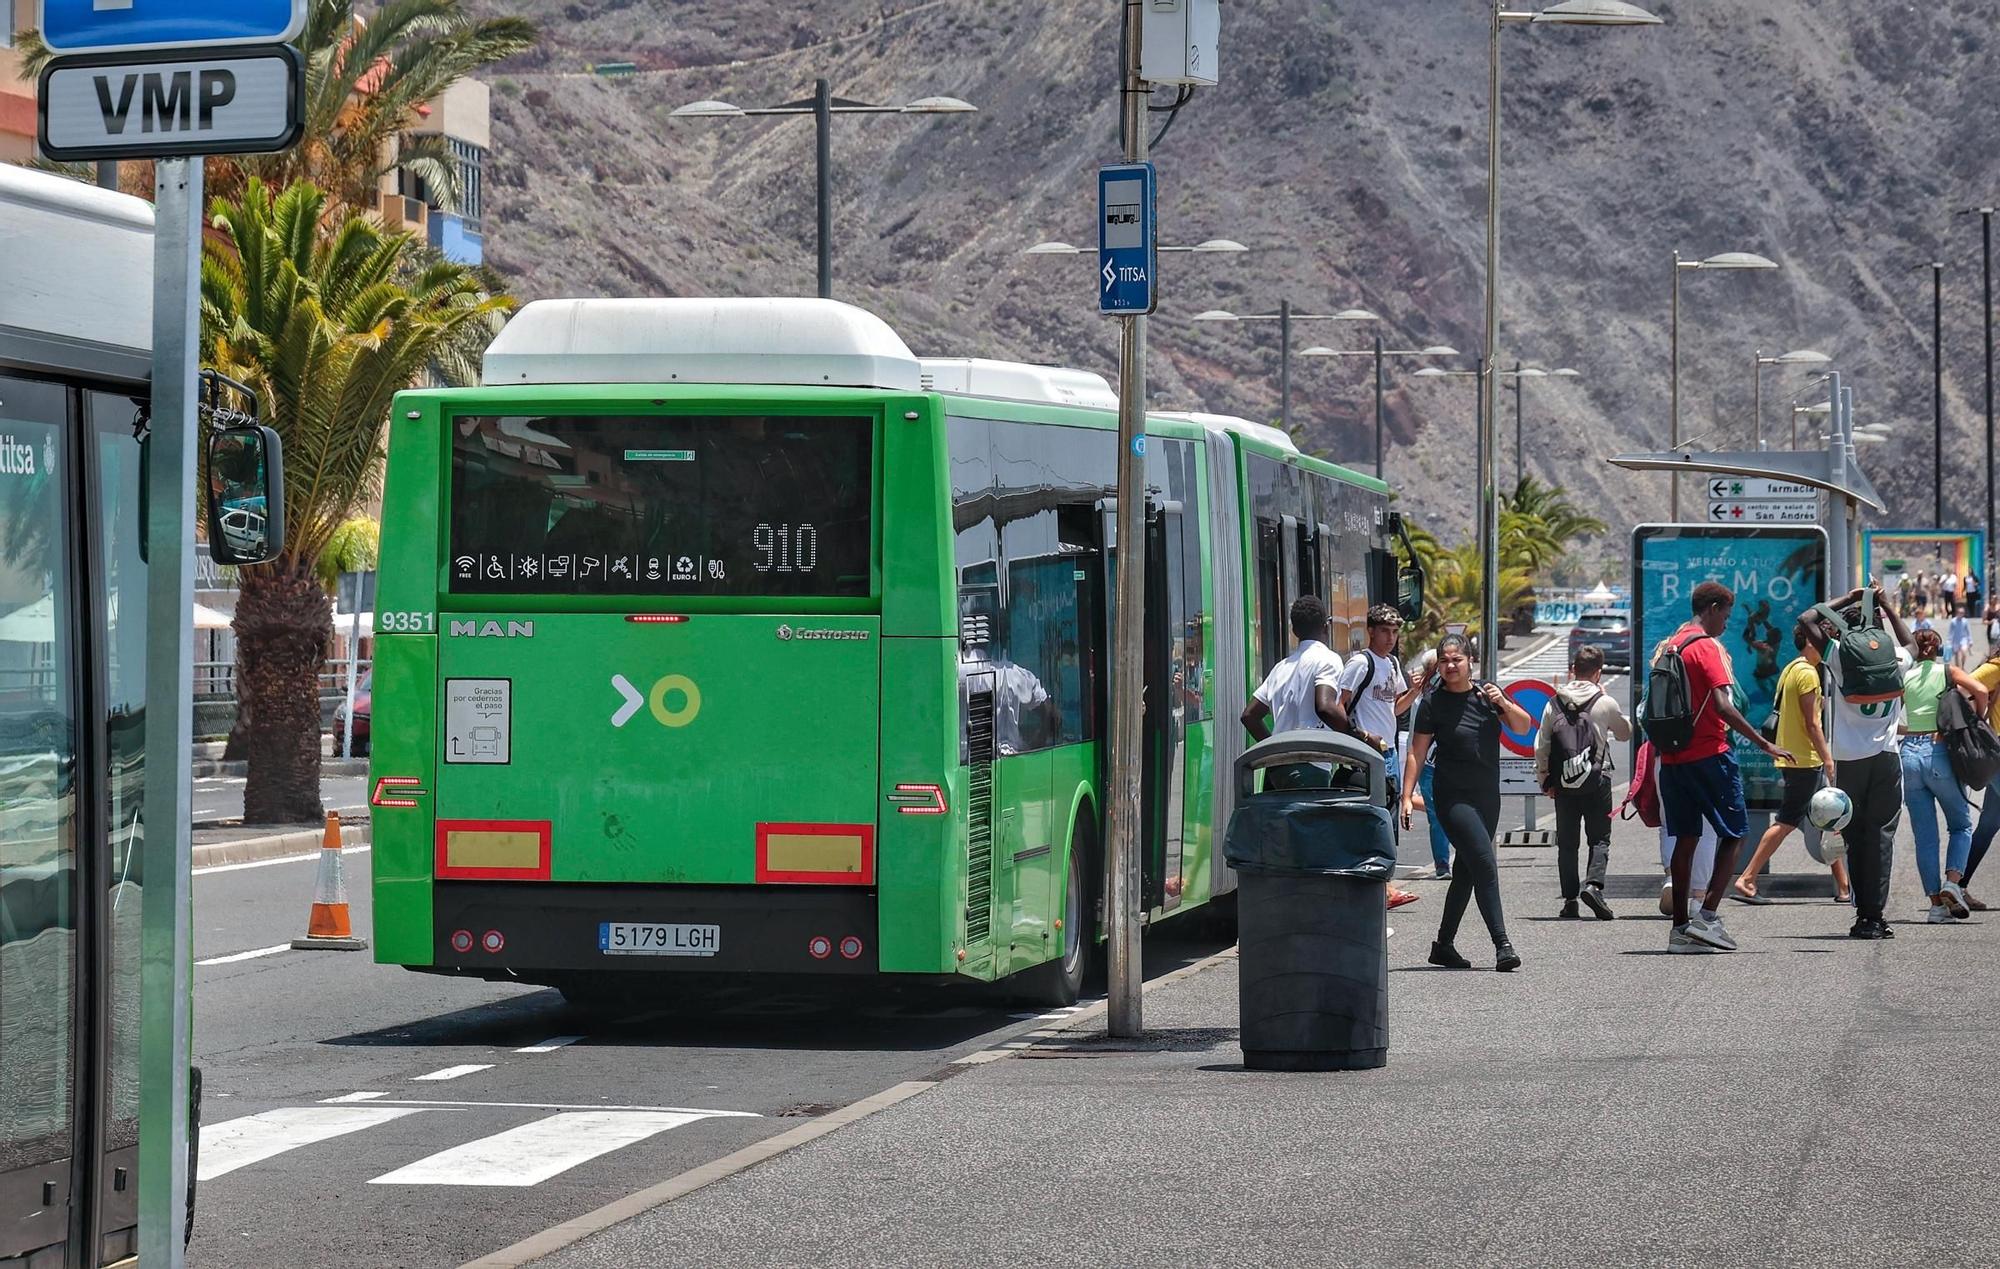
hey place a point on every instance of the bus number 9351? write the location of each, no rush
(408, 623)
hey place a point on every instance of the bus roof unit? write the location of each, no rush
(793, 342)
(97, 290)
(1018, 381)
(1230, 423)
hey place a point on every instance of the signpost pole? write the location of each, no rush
(1124, 976)
(353, 664)
(167, 853)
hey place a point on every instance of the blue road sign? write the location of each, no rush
(1126, 258)
(107, 26)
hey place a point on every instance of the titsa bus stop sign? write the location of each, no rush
(139, 79)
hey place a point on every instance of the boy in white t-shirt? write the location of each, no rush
(1299, 694)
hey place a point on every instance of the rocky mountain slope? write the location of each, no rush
(1347, 145)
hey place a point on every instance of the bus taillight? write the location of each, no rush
(656, 618)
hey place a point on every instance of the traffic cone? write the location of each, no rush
(328, 929)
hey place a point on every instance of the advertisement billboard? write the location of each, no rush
(1777, 573)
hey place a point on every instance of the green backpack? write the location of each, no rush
(1869, 671)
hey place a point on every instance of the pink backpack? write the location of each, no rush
(1642, 796)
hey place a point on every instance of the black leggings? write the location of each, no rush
(1475, 873)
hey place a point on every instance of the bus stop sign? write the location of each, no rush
(1125, 252)
(123, 26)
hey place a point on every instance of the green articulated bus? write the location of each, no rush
(728, 636)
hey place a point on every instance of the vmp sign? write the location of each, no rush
(172, 103)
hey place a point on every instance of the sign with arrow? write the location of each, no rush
(1757, 489)
(1795, 511)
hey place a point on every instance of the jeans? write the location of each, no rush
(1471, 827)
(1440, 842)
(1875, 785)
(1929, 787)
(1989, 827)
(1583, 816)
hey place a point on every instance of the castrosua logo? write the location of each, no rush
(786, 634)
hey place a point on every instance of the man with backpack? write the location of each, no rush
(1573, 766)
(1866, 665)
(1688, 717)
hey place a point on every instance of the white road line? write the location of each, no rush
(267, 863)
(233, 957)
(351, 1097)
(665, 1110)
(453, 1072)
(532, 1153)
(551, 1045)
(238, 1143)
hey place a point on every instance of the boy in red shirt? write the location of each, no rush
(1702, 781)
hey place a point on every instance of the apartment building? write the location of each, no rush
(462, 116)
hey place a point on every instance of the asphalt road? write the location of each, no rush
(221, 797)
(358, 1114)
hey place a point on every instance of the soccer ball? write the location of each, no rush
(1830, 810)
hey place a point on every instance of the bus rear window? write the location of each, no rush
(662, 505)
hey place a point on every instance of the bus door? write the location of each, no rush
(1163, 798)
(72, 739)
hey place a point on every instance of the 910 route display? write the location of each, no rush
(662, 504)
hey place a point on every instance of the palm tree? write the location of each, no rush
(326, 326)
(365, 81)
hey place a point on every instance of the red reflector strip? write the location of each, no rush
(919, 799)
(656, 619)
(411, 789)
(476, 842)
(816, 854)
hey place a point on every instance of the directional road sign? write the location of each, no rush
(108, 26)
(1795, 511)
(1125, 246)
(1757, 489)
(171, 104)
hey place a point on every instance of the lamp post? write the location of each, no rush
(1285, 317)
(1937, 393)
(1985, 215)
(823, 106)
(1797, 357)
(1379, 353)
(1816, 409)
(1566, 13)
(1519, 373)
(1726, 261)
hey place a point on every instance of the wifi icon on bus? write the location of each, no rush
(465, 566)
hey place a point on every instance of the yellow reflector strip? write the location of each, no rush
(814, 852)
(487, 848)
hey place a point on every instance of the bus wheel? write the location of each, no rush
(1057, 983)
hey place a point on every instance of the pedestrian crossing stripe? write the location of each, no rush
(524, 1155)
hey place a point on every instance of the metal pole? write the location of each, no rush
(353, 673)
(1520, 461)
(1937, 393)
(107, 173)
(165, 971)
(1285, 365)
(1674, 385)
(1986, 232)
(1757, 394)
(1489, 532)
(1849, 458)
(1125, 979)
(1378, 407)
(823, 122)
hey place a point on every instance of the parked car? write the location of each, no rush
(363, 700)
(1606, 628)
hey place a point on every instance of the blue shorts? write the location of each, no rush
(1712, 790)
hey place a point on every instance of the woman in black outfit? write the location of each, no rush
(1462, 718)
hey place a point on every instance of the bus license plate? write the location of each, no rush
(655, 938)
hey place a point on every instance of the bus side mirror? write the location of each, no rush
(246, 495)
(1410, 594)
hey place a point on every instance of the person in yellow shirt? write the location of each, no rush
(1988, 677)
(1809, 770)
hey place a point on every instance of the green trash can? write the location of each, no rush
(1313, 866)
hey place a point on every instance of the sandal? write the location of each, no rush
(1741, 895)
(1402, 897)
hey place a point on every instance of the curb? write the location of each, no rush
(253, 850)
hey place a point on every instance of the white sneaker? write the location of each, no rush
(1704, 930)
(1940, 915)
(1667, 897)
(1954, 900)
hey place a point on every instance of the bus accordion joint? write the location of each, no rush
(656, 618)
(919, 799)
(407, 790)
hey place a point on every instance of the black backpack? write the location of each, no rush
(1671, 709)
(1969, 742)
(1576, 749)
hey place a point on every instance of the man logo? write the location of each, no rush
(492, 630)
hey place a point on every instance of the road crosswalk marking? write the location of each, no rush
(238, 1143)
(532, 1153)
(453, 1072)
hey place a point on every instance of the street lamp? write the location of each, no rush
(1797, 357)
(1517, 374)
(1285, 317)
(1214, 246)
(1818, 408)
(1378, 353)
(1728, 260)
(1566, 13)
(822, 106)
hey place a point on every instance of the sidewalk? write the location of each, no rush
(1807, 1101)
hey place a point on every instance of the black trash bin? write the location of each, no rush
(1313, 869)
